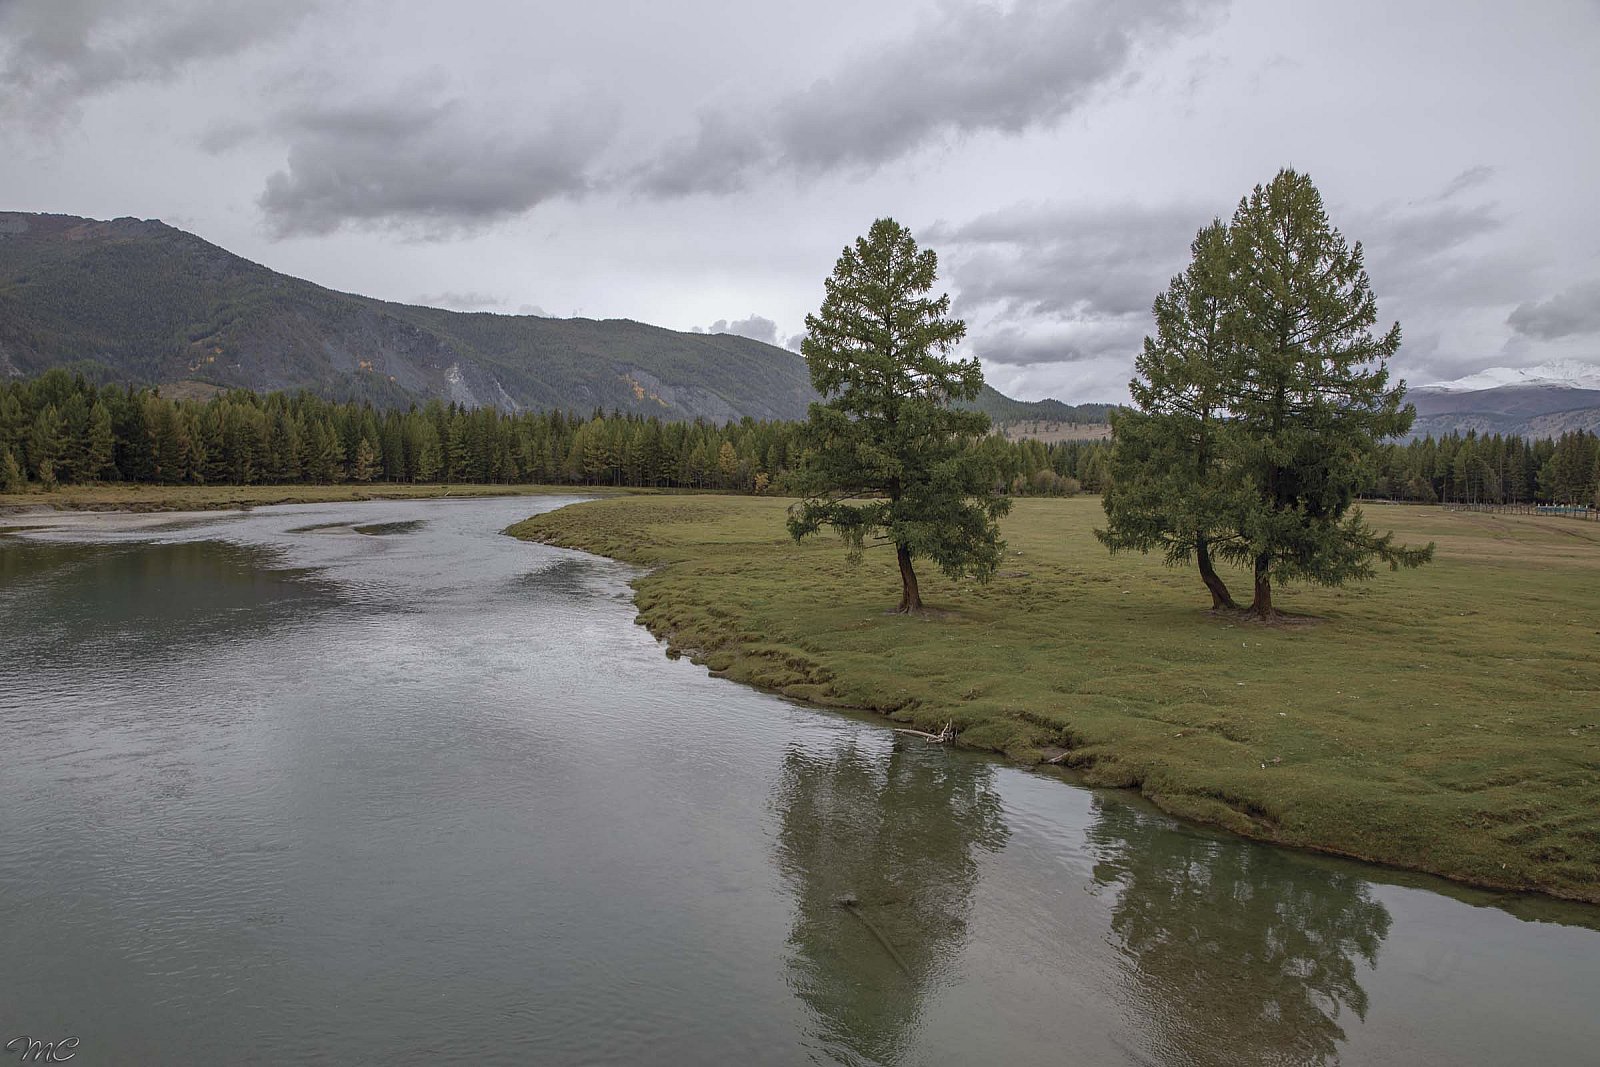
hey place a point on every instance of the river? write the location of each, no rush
(374, 783)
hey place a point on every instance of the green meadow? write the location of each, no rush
(1445, 719)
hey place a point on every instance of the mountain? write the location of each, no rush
(140, 301)
(1004, 410)
(1561, 374)
(1543, 401)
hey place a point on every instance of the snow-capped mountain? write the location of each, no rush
(1561, 374)
(1542, 401)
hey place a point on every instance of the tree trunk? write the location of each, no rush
(1262, 606)
(1220, 597)
(910, 599)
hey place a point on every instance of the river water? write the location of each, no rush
(373, 783)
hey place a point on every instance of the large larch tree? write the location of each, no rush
(1311, 402)
(1169, 490)
(888, 457)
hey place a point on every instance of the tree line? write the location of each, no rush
(1492, 469)
(61, 428)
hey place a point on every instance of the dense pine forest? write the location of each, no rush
(1492, 469)
(62, 429)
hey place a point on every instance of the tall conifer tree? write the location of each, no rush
(1312, 399)
(890, 459)
(1168, 489)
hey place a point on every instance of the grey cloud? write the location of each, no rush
(535, 309)
(969, 70)
(1421, 234)
(756, 328)
(1065, 284)
(433, 169)
(794, 341)
(1570, 313)
(1103, 380)
(1076, 284)
(471, 300)
(1069, 264)
(1074, 342)
(54, 53)
(1470, 178)
(716, 160)
(1106, 262)
(1427, 257)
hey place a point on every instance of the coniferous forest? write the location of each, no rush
(61, 429)
(1492, 469)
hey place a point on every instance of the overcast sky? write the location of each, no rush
(700, 163)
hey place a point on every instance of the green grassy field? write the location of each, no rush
(1445, 719)
(122, 497)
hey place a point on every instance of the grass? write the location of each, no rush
(1444, 720)
(122, 497)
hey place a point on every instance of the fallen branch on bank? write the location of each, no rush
(943, 737)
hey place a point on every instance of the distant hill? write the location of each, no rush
(144, 302)
(1532, 410)
(1004, 410)
(141, 301)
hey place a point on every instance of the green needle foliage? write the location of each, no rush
(1169, 491)
(1311, 402)
(888, 458)
(1261, 406)
(11, 480)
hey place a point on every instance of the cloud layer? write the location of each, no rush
(669, 162)
(971, 69)
(54, 53)
(1054, 285)
(1573, 312)
(437, 169)
(755, 327)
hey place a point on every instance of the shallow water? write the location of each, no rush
(278, 790)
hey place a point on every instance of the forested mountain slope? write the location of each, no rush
(144, 302)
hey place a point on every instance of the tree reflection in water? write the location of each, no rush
(879, 848)
(1236, 953)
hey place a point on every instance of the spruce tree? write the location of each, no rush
(890, 459)
(1168, 490)
(1312, 400)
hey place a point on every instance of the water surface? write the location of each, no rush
(372, 783)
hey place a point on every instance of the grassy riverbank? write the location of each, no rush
(122, 497)
(1445, 719)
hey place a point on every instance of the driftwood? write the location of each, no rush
(943, 737)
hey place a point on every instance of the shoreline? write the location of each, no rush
(734, 646)
(718, 636)
(143, 498)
